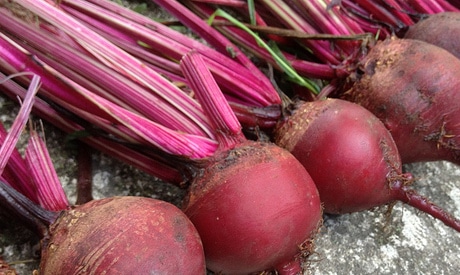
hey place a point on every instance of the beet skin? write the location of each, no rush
(122, 235)
(440, 29)
(255, 208)
(346, 150)
(351, 158)
(413, 87)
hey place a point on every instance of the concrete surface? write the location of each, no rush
(410, 243)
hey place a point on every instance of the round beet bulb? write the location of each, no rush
(351, 158)
(412, 87)
(123, 235)
(117, 235)
(254, 205)
(346, 150)
(440, 29)
(254, 208)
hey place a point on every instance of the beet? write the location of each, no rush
(254, 209)
(118, 235)
(440, 29)
(348, 141)
(123, 235)
(351, 157)
(412, 87)
(255, 206)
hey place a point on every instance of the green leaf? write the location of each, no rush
(252, 12)
(274, 52)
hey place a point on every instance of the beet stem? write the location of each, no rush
(409, 196)
(136, 158)
(224, 121)
(44, 178)
(85, 175)
(35, 217)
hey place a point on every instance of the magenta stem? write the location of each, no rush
(378, 12)
(167, 172)
(102, 80)
(15, 172)
(11, 139)
(115, 22)
(243, 39)
(211, 35)
(228, 129)
(291, 19)
(50, 193)
(113, 56)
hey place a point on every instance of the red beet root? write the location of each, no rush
(440, 29)
(351, 157)
(412, 87)
(123, 235)
(253, 209)
(350, 143)
(118, 235)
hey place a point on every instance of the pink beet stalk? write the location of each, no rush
(362, 17)
(328, 18)
(291, 19)
(10, 158)
(142, 161)
(303, 67)
(43, 185)
(394, 15)
(226, 125)
(134, 127)
(116, 22)
(19, 123)
(209, 33)
(380, 13)
(399, 11)
(112, 55)
(15, 171)
(89, 72)
(126, 28)
(50, 193)
(230, 3)
(430, 7)
(198, 25)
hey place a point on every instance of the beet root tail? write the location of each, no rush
(411, 197)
